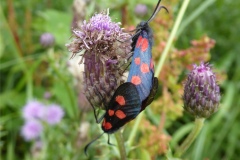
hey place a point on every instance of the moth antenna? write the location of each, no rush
(86, 147)
(156, 10)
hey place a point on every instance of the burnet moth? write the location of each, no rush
(141, 71)
(132, 97)
(123, 107)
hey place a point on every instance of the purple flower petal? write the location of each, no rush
(33, 110)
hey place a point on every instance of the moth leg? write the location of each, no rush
(101, 118)
(103, 99)
(95, 112)
(109, 141)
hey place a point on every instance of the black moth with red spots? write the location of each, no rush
(124, 106)
(141, 72)
(134, 96)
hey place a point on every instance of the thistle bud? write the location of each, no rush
(47, 40)
(141, 10)
(106, 48)
(201, 92)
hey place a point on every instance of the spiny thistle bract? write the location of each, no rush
(106, 48)
(201, 92)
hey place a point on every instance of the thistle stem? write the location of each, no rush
(134, 130)
(121, 147)
(172, 35)
(191, 137)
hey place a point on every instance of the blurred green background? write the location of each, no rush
(29, 71)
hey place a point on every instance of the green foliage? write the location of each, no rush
(219, 21)
(28, 71)
(55, 22)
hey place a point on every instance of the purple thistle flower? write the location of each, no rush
(106, 48)
(31, 130)
(53, 114)
(201, 92)
(33, 110)
(141, 10)
(47, 40)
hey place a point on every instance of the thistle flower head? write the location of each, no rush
(33, 110)
(201, 92)
(105, 49)
(31, 130)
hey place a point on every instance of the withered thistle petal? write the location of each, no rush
(201, 92)
(106, 48)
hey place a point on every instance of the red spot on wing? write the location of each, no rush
(120, 114)
(120, 100)
(144, 68)
(137, 60)
(139, 41)
(136, 80)
(110, 112)
(108, 126)
(144, 45)
(151, 64)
